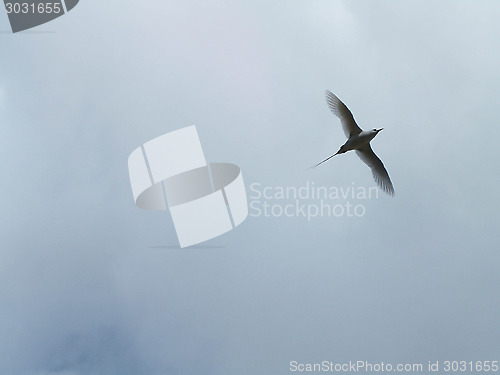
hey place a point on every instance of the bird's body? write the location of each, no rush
(359, 140)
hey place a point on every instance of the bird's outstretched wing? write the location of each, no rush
(340, 110)
(379, 172)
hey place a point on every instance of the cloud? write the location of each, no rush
(90, 284)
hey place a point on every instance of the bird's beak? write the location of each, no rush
(380, 129)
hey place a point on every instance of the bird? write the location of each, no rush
(359, 141)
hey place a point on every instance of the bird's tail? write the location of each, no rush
(321, 162)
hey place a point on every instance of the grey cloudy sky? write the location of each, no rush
(90, 284)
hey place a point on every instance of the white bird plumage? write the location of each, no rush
(359, 141)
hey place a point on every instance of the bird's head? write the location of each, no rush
(375, 131)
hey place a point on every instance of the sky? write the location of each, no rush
(91, 284)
